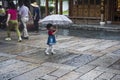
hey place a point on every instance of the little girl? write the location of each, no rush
(51, 38)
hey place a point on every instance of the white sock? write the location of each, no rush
(52, 49)
(47, 50)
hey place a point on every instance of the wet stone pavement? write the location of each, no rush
(77, 58)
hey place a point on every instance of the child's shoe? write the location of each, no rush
(46, 52)
(53, 52)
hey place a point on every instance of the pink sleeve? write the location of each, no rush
(8, 11)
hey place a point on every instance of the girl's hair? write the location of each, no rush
(49, 25)
(12, 5)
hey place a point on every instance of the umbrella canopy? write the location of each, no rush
(56, 19)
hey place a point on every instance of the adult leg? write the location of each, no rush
(36, 25)
(25, 31)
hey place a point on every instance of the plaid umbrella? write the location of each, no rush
(56, 19)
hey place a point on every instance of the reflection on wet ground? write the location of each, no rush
(79, 52)
(90, 34)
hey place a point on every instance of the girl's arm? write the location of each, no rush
(8, 18)
(54, 32)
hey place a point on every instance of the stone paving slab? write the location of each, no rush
(80, 60)
(117, 77)
(107, 70)
(7, 55)
(106, 76)
(8, 62)
(61, 58)
(105, 45)
(84, 69)
(105, 61)
(48, 77)
(70, 76)
(18, 72)
(16, 49)
(59, 66)
(2, 58)
(60, 72)
(91, 75)
(116, 65)
(12, 67)
(76, 58)
(3, 45)
(35, 74)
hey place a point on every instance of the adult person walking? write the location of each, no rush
(36, 15)
(24, 14)
(2, 17)
(12, 21)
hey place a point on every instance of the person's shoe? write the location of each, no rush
(20, 39)
(53, 52)
(47, 53)
(8, 39)
(24, 37)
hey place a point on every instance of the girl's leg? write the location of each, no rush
(47, 50)
(52, 49)
(17, 31)
(8, 33)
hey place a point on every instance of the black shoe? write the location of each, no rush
(24, 37)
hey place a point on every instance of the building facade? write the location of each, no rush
(85, 11)
(91, 11)
(104, 11)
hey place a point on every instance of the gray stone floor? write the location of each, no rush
(76, 58)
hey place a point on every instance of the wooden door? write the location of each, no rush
(117, 11)
(86, 8)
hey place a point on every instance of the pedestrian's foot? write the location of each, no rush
(8, 39)
(24, 37)
(53, 52)
(19, 40)
(47, 53)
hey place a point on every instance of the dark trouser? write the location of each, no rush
(36, 25)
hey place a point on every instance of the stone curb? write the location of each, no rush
(110, 28)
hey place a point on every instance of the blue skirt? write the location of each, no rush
(51, 40)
